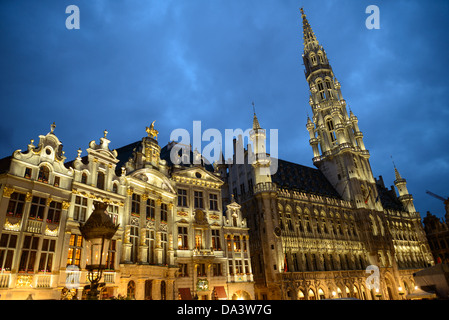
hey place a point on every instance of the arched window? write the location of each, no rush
(131, 290)
(163, 290)
(330, 127)
(44, 174)
(313, 59)
(329, 88)
(321, 57)
(84, 178)
(114, 188)
(100, 180)
(320, 86)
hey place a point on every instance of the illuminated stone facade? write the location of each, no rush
(174, 240)
(315, 231)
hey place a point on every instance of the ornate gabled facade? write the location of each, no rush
(315, 231)
(172, 238)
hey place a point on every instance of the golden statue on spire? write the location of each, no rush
(152, 133)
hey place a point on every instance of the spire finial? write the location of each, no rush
(105, 132)
(256, 124)
(53, 127)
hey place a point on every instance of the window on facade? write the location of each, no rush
(54, 212)
(80, 209)
(113, 213)
(16, 204)
(213, 201)
(229, 243)
(329, 88)
(321, 57)
(164, 212)
(198, 200)
(135, 204)
(330, 127)
(198, 239)
(183, 270)
(238, 266)
(134, 239)
(149, 241)
(84, 178)
(47, 253)
(110, 258)
(164, 245)
(57, 181)
(44, 174)
(29, 253)
(131, 290)
(28, 172)
(37, 208)
(216, 239)
(8, 244)
(151, 209)
(231, 268)
(100, 180)
(216, 269)
(313, 59)
(321, 89)
(114, 188)
(75, 248)
(182, 238)
(201, 270)
(182, 198)
(237, 247)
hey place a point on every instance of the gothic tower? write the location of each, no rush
(337, 142)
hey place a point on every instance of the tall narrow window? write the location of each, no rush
(198, 239)
(182, 198)
(54, 212)
(330, 126)
(198, 199)
(164, 212)
(151, 209)
(113, 213)
(37, 208)
(213, 202)
(75, 248)
(110, 258)
(84, 178)
(321, 89)
(182, 238)
(313, 59)
(134, 239)
(135, 204)
(16, 204)
(329, 88)
(100, 180)
(47, 252)
(57, 181)
(28, 255)
(80, 209)
(149, 241)
(8, 244)
(216, 239)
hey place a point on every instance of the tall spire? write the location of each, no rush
(309, 37)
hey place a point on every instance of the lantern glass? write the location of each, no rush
(98, 252)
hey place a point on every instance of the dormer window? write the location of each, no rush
(44, 174)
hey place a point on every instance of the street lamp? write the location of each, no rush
(98, 230)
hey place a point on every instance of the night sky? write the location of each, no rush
(178, 61)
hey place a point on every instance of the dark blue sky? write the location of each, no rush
(177, 61)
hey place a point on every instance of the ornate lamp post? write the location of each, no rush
(98, 230)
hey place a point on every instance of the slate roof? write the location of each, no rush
(304, 179)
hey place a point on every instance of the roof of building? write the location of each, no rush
(294, 176)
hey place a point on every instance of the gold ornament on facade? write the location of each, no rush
(65, 205)
(7, 191)
(152, 133)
